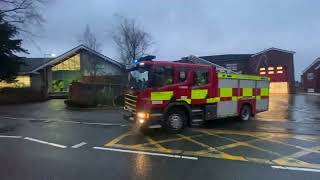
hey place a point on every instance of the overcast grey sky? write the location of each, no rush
(183, 27)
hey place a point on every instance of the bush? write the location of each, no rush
(85, 94)
(19, 95)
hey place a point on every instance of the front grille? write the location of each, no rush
(130, 102)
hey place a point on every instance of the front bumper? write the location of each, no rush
(154, 121)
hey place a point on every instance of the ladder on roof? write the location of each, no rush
(220, 69)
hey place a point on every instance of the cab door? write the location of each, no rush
(183, 81)
(200, 86)
(163, 85)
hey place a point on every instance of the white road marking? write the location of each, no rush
(15, 137)
(189, 157)
(103, 124)
(66, 121)
(74, 122)
(146, 153)
(44, 142)
(296, 168)
(22, 118)
(78, 145)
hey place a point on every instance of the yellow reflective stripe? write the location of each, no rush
(199, 93)
(241, 76)
(258, 97)
(213, 100)
(264, 91)
(186, 100)
(234, 98)
(225, 92)
(247, 91)
(160, 96)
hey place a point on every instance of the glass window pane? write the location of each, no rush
(200, 77)
(73, 64)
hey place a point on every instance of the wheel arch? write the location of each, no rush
(247, 103)
(179, 105)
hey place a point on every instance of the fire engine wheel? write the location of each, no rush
(245, 113)
(175, 121)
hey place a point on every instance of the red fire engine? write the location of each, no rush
(174, 95)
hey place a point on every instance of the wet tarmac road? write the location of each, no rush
(46, 141)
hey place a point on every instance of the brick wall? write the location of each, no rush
(274, 58)
(311, 84)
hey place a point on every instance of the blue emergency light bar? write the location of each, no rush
(147, 58)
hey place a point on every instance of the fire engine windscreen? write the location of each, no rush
(138, 78)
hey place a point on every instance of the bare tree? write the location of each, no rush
(89, 39)
(93, 65)
(132, 42)
(22, 13)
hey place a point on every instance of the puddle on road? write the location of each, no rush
(296, 108)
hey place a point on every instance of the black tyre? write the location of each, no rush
(245, 113)
(175, 121)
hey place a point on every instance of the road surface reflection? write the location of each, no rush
(299, 108)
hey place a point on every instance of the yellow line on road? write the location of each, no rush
(231, 145)
(160, 148)
(216, 152)
(145, 148)
(198, 143)
(280, 142)
(166, 140)
(288, 160)
(116, 140)
(283, 160)
(212, 149)
(244, 143)
(219, 155)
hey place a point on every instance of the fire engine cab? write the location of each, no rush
(172, 95)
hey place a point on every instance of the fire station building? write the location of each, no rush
(275, 63)
(54, 75)
(311, 77)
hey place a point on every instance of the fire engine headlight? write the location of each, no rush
(142, 115)
(141, 121)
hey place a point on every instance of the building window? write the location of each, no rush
(270, 68)
(64, 73)
(262, 71)
(310, 76)
(232, 67)
(279, 68)
(279, 72)
(19, 82)
(270, 72)
(71, 64)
